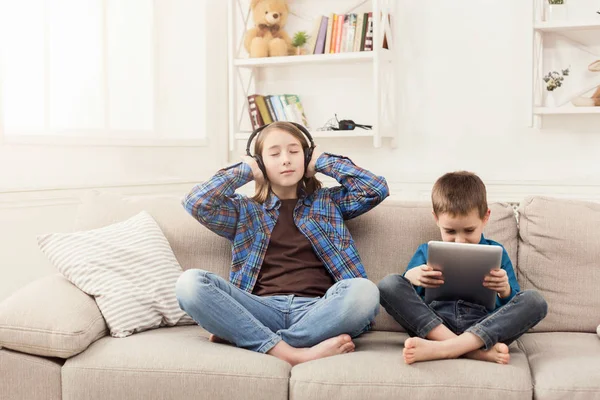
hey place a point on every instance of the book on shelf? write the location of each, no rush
(339, 32)
(358, 32)
(294, 100)
(327, 48)
(263, 109)
(314, 33)
(363, 31)
(369, 33)
(269, 108)
(255, 117)
(320, 45)
(342, 33)
(333, 34)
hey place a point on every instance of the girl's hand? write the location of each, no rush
(310, 170)
(425, 276)
(497, 280)
(256, 172)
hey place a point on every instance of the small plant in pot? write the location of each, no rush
(299, 40)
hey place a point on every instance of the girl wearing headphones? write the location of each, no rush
(297, 288)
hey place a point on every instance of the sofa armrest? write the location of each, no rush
(50, 317)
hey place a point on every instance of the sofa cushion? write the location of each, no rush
(559, 255)
(563, 364)
(388, 236)
(194, 245)
(173, 363)
(128, 267)
(376, 370)
(62, 322)
(25, 377)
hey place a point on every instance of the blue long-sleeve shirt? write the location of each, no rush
(420, 258)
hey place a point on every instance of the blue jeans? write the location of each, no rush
(503, 325)
(259, 323)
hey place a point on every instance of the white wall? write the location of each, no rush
(465, 75)
(467, 105)
(40, 185)
(466, 82)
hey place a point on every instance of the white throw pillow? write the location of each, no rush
(128, 267)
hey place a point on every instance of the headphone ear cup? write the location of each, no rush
(307, 158)
(261, 165)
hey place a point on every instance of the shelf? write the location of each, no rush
(322, 134)
(358, 56)
(562, 26)
(375, 70)
(566, 110)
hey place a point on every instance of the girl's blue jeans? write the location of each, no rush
(259, 323)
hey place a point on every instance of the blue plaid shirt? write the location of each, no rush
(319, 216)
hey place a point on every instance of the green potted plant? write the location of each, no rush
(299, 40)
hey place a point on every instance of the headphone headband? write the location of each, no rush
(260, 129)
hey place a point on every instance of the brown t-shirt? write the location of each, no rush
(291, 265)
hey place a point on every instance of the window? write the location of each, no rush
(109, 71)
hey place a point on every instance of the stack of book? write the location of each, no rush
(284, 107)
(341, 33)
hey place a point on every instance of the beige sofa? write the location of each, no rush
(55, 345)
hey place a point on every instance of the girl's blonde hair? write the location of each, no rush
(308, 185)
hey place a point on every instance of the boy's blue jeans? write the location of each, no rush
(503, 325)
(259, 323)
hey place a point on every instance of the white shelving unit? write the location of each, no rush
(244, 74)
(563, 28)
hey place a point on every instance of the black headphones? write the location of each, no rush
(307, 151)
(348, 125)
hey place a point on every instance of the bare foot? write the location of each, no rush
(417, 349)
(330, 347)
(336, 345)
(498, 354)
(216, 339)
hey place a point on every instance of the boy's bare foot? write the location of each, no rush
(417, 349)
(216, 339)
(336, 345)
(498, 354)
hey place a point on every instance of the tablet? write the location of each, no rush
(463, 266)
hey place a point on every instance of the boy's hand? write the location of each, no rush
(256, 172)
(497, 280)
(425, 276)
(310, 169)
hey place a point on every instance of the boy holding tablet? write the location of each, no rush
(451, 329)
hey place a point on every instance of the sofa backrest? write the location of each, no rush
(194, 245)
(559, 255)
(386, 237)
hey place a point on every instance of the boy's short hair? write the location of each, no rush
(457, 193)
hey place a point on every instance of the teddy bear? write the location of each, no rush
(267, 38)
